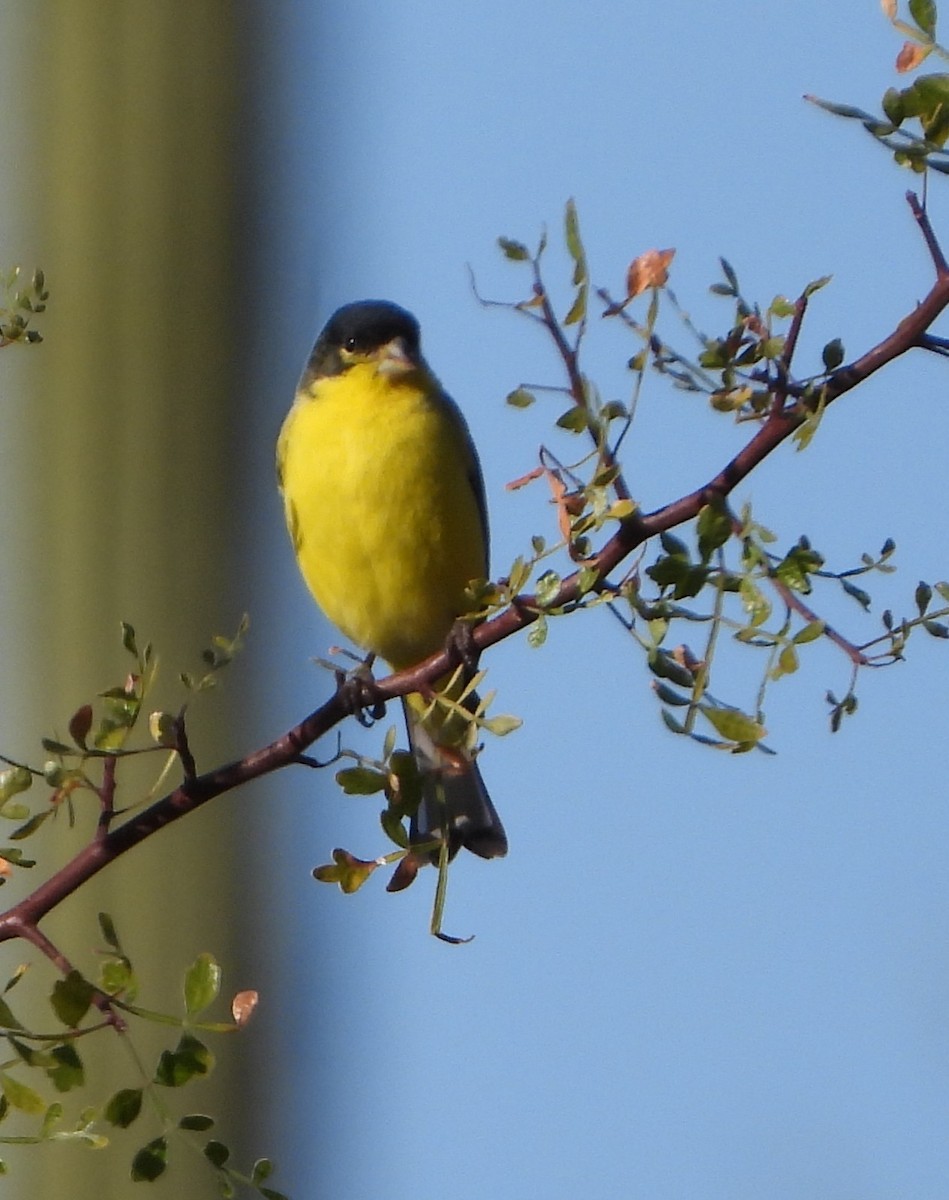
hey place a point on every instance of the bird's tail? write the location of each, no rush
(455, 805)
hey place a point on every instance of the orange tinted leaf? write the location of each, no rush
(243, 1006)
(525, 479)
(911, 56)
(889, 9)
(649, 270)
(404, 873)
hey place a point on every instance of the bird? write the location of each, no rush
(385, 505)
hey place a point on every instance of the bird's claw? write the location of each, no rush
(462, 648)
(359, 692)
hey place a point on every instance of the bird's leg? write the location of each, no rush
(462, 649)
(357, 690)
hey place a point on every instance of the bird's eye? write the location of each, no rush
(350, 344)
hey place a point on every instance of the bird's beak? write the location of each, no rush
(394, 358)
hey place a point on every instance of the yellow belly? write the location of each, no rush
(378, 478)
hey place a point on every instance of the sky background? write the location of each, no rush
(696, 976)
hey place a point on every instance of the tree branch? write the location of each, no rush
(196, 790)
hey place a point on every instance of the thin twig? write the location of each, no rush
(794, 601)
(932, 242)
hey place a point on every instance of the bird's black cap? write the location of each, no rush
(361, 327)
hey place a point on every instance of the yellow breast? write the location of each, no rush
(381, 489)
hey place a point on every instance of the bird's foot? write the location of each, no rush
(358, 691)
(462, 648)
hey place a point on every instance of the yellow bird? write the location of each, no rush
(385, 505)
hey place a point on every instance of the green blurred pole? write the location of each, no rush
(124, 452)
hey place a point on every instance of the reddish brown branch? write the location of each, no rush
(793, 600)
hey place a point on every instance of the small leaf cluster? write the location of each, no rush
(745, 371)
(99, 738)
(755, 598)
(220, 654)
(39, 1061)
(455, 715)
(924, 103)
(21, 303)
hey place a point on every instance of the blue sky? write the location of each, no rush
(695, 976)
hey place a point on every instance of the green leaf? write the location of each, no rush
(71, 998)
(7, 1019)
(520, 398)
(202, 984)
(673, 546)
(936, 629)
(21, 1097)
(810, 633)
(199, 1122)
(574, 242)
(833, 354)
(501, 725)
(30, 827)
(668, 696)
(665, 666)
(346, 870)
(14, 780)
(858, 594)
(795, 568)
(893, 105)
(548, 586)
(714, 528)
(189, 1059)
(361, 781)
(66, 1071)
(685, 578)
(587, 578)
(515, 251)
(578, 309)
(816, 284)
(116, 977)
(216, 1153)
(393, 828)
(537, 634)
(262, 1169)
(787, 662)
(107, 928)
(575, 419)
(923, 13)
(150, 1162)
(732, 724)
(923, 595)
(51, 1118)
(128, 639)
(729, 272)
(673, 724)
(124, 1107)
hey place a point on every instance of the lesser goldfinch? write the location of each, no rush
(385, 504)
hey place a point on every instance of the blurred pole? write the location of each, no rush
(120, 462)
